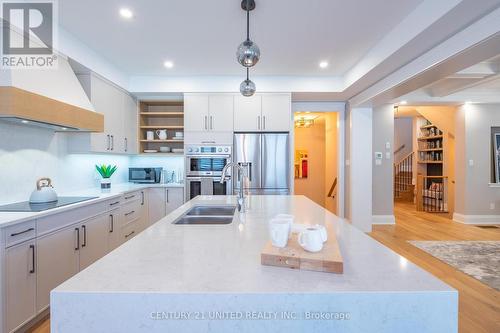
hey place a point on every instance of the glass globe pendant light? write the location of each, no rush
(247, 87)
(248, 53)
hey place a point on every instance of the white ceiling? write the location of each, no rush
(201, 37)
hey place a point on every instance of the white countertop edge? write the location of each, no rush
(117, 190)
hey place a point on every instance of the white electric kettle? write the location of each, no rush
(44, 192)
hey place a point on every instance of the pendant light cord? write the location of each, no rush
(248, 20)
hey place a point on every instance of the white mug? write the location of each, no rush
(150, 135)
(288, 217)
(279, 230)
(162, 134)
(311, 239)
(322, 229)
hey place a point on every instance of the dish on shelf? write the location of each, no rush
(178, 150)
(150, 150)
(165, 149)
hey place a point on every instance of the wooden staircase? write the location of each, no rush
(404, 189)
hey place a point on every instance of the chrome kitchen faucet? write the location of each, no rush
(242, 174)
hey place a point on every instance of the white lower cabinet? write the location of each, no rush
(20, 284)
(57, 261)
(174, 198)
(39, 255)
(94, 238)
(156, 204)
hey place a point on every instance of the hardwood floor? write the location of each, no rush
(479, 305)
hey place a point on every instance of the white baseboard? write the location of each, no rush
(476, 219)
(383, 219)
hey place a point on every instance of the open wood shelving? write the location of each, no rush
(160, 115)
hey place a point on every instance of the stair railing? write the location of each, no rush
(403, 175)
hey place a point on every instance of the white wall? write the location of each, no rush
(403, 129)
(29, 153)
(359, 172)
(476, 201)
(382, 179)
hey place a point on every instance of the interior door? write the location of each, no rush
(220, 112)
(93, 240)
(57, 261)
(275, 161)
(247, 150)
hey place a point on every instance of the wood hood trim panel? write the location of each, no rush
(19, 103)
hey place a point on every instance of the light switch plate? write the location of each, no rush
(492, 205)
(471, 162)
(388, 155)
(387, 145)
(378, 155)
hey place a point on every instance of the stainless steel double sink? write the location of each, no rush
(207, 214)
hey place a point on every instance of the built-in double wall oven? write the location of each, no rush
(204, 166)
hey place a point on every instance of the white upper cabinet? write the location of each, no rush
(276, 112)
(247, 113)
(262, 113)
(220, 112)
(208, 112)
(195, 112)
(120, 119)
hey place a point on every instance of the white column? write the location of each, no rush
(359, 164)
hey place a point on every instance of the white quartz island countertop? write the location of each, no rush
(208, 278)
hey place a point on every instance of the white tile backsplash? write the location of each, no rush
(28, 153)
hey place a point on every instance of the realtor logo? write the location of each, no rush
(28, 34)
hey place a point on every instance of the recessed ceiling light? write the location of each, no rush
(126, 13)
(323, 64)
(64, 128)
(403, 102)
(24, 121)
(468, 103)
(168, 64)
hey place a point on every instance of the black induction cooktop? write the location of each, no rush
(26, 206)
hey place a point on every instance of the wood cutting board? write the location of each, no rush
(329, 259)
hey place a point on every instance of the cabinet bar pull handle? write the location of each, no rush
(142, 198)
(206, 123)
(129, 213)
(32, 248)
(127, 236)
(112, 142)
(109, 142)
(264, 122)
(167, 195)
(126, 144)
(21, 232)
(77, 239)
(129, 197)
(258, 122)
(211, 123)
(114, 203)
(84, 229)
(112, 220)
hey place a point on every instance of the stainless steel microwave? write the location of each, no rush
(144, 175)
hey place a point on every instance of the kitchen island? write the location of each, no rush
(208, 278)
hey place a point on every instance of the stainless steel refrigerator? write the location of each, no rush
(268, 158)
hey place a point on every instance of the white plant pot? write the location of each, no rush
(105, 185)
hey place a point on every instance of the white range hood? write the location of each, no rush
(47, 97)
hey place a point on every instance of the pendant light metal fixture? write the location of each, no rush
(248, 53)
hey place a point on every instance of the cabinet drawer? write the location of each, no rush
(54, 222)
(130, 230)
(131, 211)
(18, 233)
(132, 196)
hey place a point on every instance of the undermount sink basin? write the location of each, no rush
(212, 211)
(207, 215)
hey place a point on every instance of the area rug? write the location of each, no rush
(479, 259)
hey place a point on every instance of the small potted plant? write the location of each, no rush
(106, 171)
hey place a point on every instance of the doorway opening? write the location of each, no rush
(424, 158)
(316, 158)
